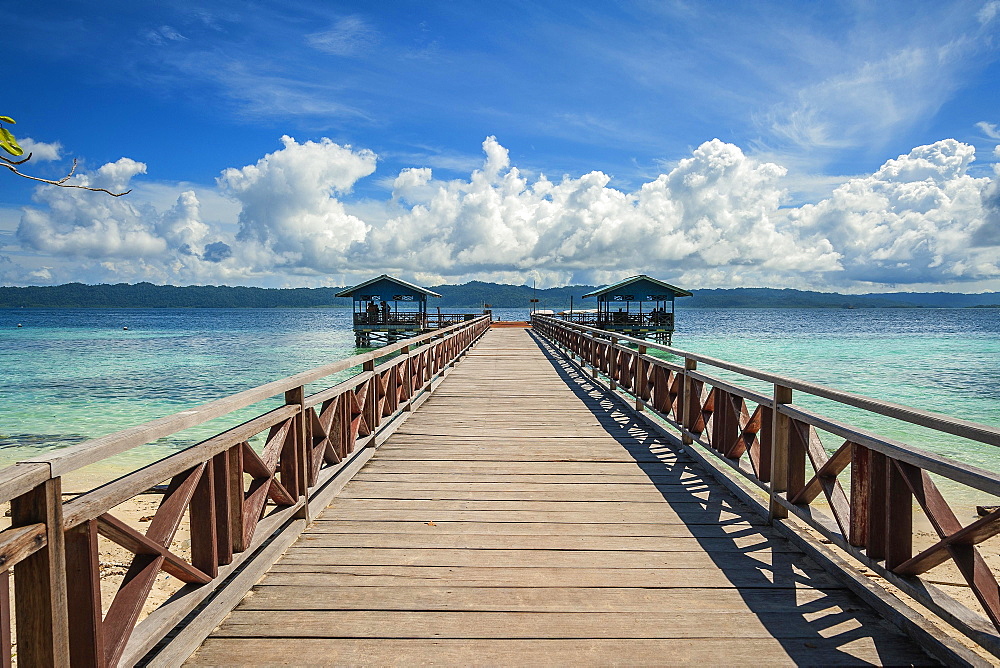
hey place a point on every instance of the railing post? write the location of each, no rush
(781, 432)
(204, 524)
(898, 517)
(40, 581)
(640, 378)
(223, 512)
(877, 475)
(295, 460)
(594, 356)
(687, 417)
(613, 362)
(370, 401)
(860, 490)
(407, 378)
(236, 492)
(83, 578)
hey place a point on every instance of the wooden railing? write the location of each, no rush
(774, 444)
(424, 320)
(601, 320)
(243, 506)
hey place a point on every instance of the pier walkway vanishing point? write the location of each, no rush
(523, 515)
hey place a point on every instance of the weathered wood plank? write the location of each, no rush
(694, 515)
(512, 455)
(595, 493)
(382, 651)
(516, 479)
(549, 599)
(498, 541)
(379, 465)
(780, 625)
(554, 576)
(663, 529)
(594, 509)
(304, 556)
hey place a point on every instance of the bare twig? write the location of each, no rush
(12, 166)
(15, 162)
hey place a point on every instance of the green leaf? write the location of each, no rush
(8, 119)
(8, 143)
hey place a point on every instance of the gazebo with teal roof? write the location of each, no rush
(638, 306)
(388, 308)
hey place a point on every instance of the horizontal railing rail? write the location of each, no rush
(612, 318)
(236, 499)
(416, 319)
(775, 445)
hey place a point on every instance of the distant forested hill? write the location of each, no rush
(147, 295)
(469, 295)
(772, 298)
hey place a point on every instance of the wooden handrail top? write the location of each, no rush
(973, 431)
(69, 459)
(21, 478)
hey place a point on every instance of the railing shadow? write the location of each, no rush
(772, 578)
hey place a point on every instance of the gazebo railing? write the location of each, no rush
(601, 320)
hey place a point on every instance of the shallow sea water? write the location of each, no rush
(68, 375)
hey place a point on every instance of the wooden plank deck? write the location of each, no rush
(521, 517)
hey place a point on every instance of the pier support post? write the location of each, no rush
(781, 432)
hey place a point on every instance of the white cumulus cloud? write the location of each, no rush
(74, 222)
(716, 214)
(916, 220)
(289, 203)
(40, 151)
(128, 237)
(717, 218)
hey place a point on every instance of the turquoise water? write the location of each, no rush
(69, 375)
(73, 374)
(941, 360)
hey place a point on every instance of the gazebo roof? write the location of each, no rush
(386, 277)
(677, 292)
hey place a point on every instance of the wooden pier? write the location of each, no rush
(523, 517)
(475, 495)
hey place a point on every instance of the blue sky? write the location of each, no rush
(834, 145)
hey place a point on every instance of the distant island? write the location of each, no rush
(468, 295)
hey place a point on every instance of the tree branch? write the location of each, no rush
(12, 166)
(15, 162)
